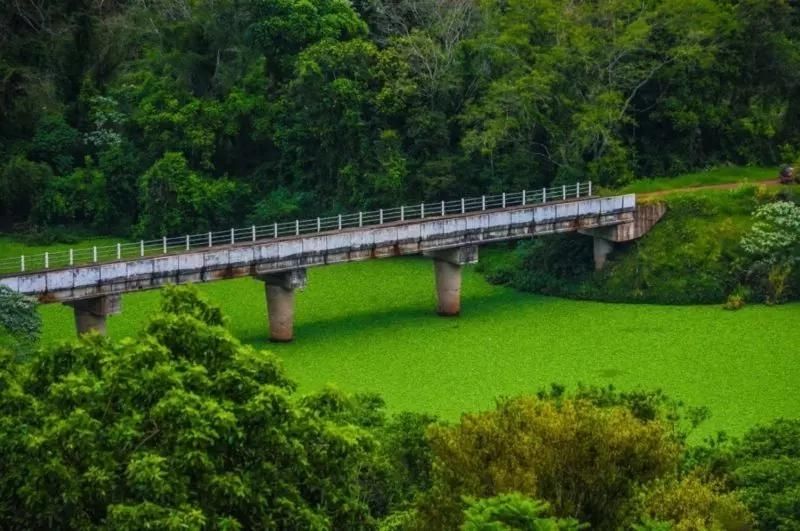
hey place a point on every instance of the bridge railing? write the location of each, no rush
(254, 233)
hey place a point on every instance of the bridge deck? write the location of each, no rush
(264, 256)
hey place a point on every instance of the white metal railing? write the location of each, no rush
(255, 233)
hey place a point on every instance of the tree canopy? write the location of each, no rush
(284, 107)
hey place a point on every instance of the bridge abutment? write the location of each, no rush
(91, 314)
(447, 265)
(279, 289)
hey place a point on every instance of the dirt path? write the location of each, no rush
(725, 186)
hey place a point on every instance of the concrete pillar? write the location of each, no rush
(602, 248)
(447, 265)
(279, 288)
(90, 314)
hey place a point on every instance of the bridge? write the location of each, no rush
(92, 280)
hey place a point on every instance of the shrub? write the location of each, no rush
(690, 504)
(734, 302)
(18, 314)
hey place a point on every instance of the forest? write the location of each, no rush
(137, 119)
(143, 118)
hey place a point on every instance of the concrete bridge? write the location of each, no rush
(448, 232)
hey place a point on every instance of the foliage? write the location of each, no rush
(734, 302)
(689, 504)
(703, 250)
(352, 105)
(18, 314)
(21, 182)
(765, 471)
(775, 234)
(176, 200)
(587, 461)
(182, 427)
(513, 512)
(773, 246)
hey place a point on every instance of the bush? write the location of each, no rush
(18, 314)
(734, 302)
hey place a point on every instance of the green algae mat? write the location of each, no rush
(371, 327)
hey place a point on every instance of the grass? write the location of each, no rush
(371, 327)
(720, 175)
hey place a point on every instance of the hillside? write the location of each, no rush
(692, 256)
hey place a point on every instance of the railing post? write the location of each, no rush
(164, 243)
(402, 213)
(340, 222)
(141, 247)
(380, 217)
(422, 210)
(71, 257)
(276, 230)
(297, 227)
(590, 188)
(233, 237)
(463, 206)
(319, 225)
(253, 229)
(483, 202)
(360, 219)
(564, 191)
(188, 243)
(544, 195)
(504, 199)
(119, 251)
(523, 198)
(443, 213)
(22, 263)
(210, 239)
(578, 190)
(47, 260)
(94, 254)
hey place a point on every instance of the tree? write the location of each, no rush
(773, 246)
(182, 427)
(513, 512)
(586, 461)
(765, 472)
(174, 199)
(775, 235)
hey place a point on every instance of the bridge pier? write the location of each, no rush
(601, 249)
(90, 314)
(279, 288)
(447, 264)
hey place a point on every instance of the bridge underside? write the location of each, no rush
(451, 241)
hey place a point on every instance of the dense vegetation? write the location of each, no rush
(186, 428)
(177, 115)
(742, 243)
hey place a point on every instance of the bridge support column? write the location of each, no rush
(447, 265)
(601, 250)
(279, 288)
(90, 314)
